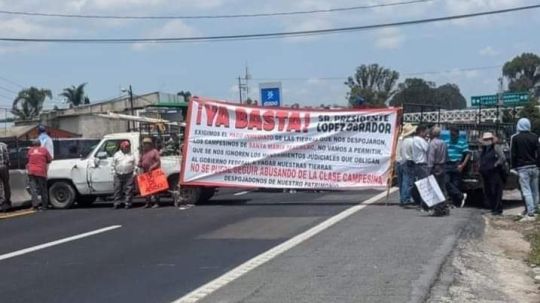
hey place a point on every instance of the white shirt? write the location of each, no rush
(123, 164)
(47, 142)
(406, 151)
(419, 150)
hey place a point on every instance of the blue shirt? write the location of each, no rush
(456, 150)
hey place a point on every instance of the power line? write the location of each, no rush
(288, 13)
(344, 78)
(8, 90)
(267, 35)
(12, 82)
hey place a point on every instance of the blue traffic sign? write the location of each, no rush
(270, 96)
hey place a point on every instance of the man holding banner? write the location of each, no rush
(148, 162)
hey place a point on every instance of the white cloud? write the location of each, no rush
(390, 38)
(460, 7)
(171, 29)
(489, 51)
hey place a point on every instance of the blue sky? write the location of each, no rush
(211, 69)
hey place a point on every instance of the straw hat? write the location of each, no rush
(147, 140)
(408, 129)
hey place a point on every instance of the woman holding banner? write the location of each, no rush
(148, 162)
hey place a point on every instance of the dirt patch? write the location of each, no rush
(494, 268)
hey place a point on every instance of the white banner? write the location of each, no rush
(430, 191)
(244, 146)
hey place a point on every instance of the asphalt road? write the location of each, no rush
(380, 254)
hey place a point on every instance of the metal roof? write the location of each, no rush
(16, 131)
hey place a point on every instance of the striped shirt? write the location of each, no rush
(457, 149)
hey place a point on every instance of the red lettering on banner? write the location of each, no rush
(211, 111)
(282, 117)
(268, 120)
(223, 117)
(255, 121)
(199, 114)
(294, 122)
(241, 118)
(306, 122)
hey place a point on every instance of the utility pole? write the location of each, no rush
(243, 85)
(130, 94)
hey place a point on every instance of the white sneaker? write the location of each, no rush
(527, 218)
(463, 201)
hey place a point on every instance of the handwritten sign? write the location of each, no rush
(152, 182)
(430, 191)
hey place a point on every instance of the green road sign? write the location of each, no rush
(509, 99)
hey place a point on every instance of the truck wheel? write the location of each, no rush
(206, 194)
(85, 201)
(191, 195)
(62, 195)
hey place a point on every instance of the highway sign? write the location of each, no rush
(270, 93)
(508, 99)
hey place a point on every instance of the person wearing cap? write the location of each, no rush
(38, 162)
(45, 140)
(405, 164)
(524, 152)
(149, 161)
(492, 169)
(123, 166)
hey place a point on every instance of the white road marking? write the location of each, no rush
(57, 242)
(259, 260)
(241, 193)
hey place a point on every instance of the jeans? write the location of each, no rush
(405, 181)
(453, 186)
(38, 187)
(528, 180)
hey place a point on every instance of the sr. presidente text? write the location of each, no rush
(290, 121)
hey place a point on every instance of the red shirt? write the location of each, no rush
(148, 159)
(38, 158)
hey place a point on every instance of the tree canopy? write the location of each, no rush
(521, 72)
(372, 84)
(185, 94)
(530, 111)
(29, 103)
(75, 95)
(425, 95)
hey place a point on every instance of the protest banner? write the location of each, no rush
(247, 146)
(430, 191)
(152, 182)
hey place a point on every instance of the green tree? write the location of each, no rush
(448, 96)
(530, 111)
(74, 95)
(29, 103)
(185, 94)
(372, 83)
(425, 95)
(521, 72)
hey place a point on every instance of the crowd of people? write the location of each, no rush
(422, 152)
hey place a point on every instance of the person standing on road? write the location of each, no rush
(5, 189)
(149, 161)
(524, 149)
(38, 162)
(458, 157)
(45, 140)
(492, 168)
(436, 161)
(419, 155)
(123, 166)
(405, 164)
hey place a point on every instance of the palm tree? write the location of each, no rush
(29, 103)
(75, 95)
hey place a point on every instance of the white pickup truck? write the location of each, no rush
(81, 181)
